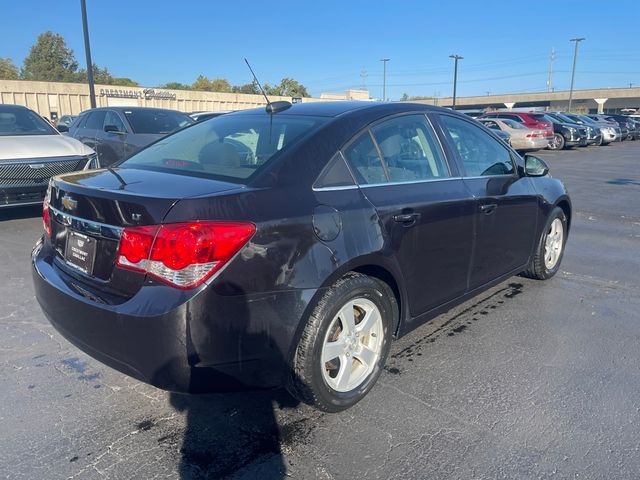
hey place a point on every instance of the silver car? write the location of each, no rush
(31, 152)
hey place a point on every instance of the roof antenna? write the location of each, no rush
(272, 107)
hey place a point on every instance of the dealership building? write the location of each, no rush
(54, 99)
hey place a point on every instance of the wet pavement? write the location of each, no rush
(528, 380)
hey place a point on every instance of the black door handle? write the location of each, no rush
(488, 208)
(406, 218)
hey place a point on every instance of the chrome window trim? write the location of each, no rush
(387, 184)
(89, 227)
(410, 182)
(337, 187)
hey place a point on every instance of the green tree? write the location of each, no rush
(203, 83)
(288, 87)
(176, 86)
(8, 71)
(404, 97)
(50, 60)
(124, 81)
(251, 88)
(103, 77)
(220, 85)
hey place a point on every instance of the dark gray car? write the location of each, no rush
(116, 133)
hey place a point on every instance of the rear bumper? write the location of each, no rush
(180, 341)
(530, 144)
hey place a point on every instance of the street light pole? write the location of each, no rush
(573, 70)
(455, 76)
(87, 51)
(384, 78)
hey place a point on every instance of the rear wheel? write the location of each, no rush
(550, 247)
(557, 142)
(344, 345)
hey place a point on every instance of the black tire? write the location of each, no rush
(537, 268)
(600, 142)
(558, 143)
(307, 382)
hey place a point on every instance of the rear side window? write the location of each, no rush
(481, 154)
(409, 149)
(491, 124)
(113, 119)
(95, 120)
(229, 147)
(336, 174)
(364, 160)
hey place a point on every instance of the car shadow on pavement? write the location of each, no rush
(226, 434)
(232, 434)
(18, 213)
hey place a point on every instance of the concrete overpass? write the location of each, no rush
(600, 100)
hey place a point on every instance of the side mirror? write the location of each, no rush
(535, 167)
(113, 129)
(62, 128)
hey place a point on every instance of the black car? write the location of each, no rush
(65, 120)
(626, 122)
(202, 116)
(594, 135)
(195, 268)
(118, 132)
(566, 134)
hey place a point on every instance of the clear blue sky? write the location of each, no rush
(326, 45)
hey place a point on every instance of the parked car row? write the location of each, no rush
(32, 150)
(559, 130)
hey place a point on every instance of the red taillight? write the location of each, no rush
(46, 215)
(182, 254)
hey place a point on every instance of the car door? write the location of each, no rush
(111, 139)
(505, 201)
(422, 203)
(87, 131)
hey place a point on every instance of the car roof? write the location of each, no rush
(120, 109)
(335, 109)
(7, 107)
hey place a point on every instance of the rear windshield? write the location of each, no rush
(157, 121)
(513, 124)
(540, 117)
(228, 147)
(17, 121)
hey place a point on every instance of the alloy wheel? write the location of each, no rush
(353, 345)
(553, 244)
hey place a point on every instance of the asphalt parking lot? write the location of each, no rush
(529, 380)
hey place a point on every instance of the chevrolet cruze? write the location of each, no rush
(290, 245)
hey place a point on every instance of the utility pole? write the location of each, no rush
(550, 78)
(455, 76)
(573, 70)
(87, 51)
(631, 85)
(384, 78)
(363, 76)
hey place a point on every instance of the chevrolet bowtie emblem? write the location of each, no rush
(69, 203)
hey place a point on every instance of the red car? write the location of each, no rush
(527, 119)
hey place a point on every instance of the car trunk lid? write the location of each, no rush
(90, 209)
